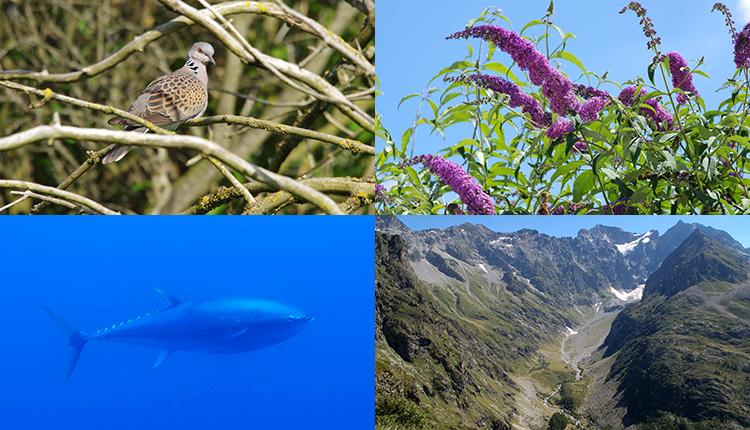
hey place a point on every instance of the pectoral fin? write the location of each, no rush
(162, 357)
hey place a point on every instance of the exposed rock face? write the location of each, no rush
(683, 352)
(699, 258)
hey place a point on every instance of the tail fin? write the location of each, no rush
(76, 341)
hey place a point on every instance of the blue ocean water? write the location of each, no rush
(95, 271)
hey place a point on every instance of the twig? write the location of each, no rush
(206, 147)
(48, 94)
(333, 40)
(29, 194)
(228, 8)
(93, 159)
(57, 193)
(234, 181)
(139, 43)
(323, 90)
(337, 186)
(352, 145)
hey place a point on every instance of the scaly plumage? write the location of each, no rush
(170, 100)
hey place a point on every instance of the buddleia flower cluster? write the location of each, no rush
(742, 48)
(518, 98)
(657, 113)
(451, 174)
(648, 25)
(555, 85)
(681, 76)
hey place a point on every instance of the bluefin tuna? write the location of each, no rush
(216, 327)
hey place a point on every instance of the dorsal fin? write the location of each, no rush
(173, 301)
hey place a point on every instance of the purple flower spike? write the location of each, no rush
(658, 114)
(592, 107)
(463, 184)
(381, 192)
(742, 48)
(581, 147)
(555, 86)
(681, 76)
(618, 207)
(518, 98)
(561, 128)
(587, 92)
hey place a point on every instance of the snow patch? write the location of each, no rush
(570, 331)
(502, 241)
(481, 266)
(528, 284)
(628, 296)
(627, 248)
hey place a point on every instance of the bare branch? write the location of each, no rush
(203, 17)
(333, 40)
(48, 94)
(206, 147)
(323, 89)
(57, 193)
(336, 186)
(32, 195)
(352, 145)
(93, 159)
(236, 183)
(139, 43)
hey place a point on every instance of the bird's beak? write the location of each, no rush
(211, 59)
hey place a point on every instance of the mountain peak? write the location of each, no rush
(391, 224)
(701, 257)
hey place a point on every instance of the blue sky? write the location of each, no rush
(412, 47)
(737, 226)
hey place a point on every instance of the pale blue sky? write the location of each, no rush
(412, 47)
(737, 226)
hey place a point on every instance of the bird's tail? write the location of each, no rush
(115, 154)
(76, 340)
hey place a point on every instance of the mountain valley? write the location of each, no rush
(477, 329)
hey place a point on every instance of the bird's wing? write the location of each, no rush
(169, 99)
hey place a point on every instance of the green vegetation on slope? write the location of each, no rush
(444, 356)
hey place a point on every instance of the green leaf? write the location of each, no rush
(530, 24)
(651, 72)
(410, 96)
(567, 56)
(583, 185)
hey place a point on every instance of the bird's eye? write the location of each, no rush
(200, 50)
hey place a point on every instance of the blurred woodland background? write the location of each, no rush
(333, 40)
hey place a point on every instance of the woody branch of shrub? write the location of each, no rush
(625, 148)
(325, 62)
(203, 146)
